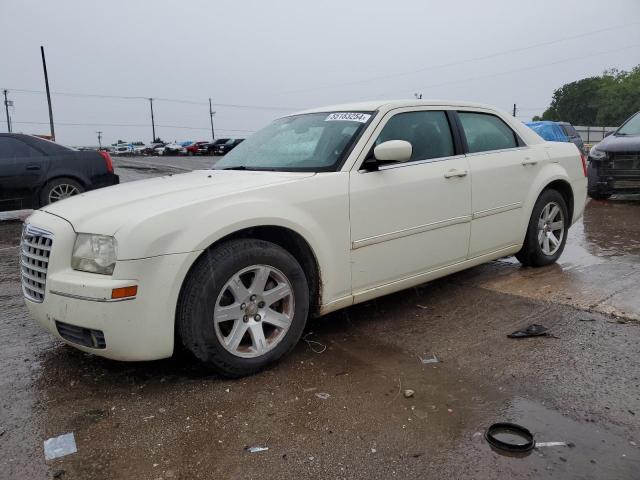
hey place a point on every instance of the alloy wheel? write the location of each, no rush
(551, 228)
(254, 311)
(62, 191)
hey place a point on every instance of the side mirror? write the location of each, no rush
(393, 151)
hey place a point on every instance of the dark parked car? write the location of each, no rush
(614, 163)
(226, 147)
(213, 145)
(558, 132)
(35, 172)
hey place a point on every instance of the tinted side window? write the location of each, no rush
(486, 132)
(570, 130)
(12, 148)
(427, 131)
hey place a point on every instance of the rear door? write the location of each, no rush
(502, 171)
(22, 172)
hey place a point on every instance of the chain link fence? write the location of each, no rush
(593, 135)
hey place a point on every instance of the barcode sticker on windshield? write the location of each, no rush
(348, 117)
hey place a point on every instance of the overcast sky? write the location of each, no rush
(292, 54)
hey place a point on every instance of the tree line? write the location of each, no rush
(607, 100)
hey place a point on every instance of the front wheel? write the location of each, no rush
(547, 231)
(243, 306)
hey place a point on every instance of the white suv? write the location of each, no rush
(318, 211)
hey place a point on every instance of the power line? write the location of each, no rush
(161, 99)
(142, 125)
(516, 70)
(460, 62)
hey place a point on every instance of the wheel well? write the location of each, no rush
(293, 243)
(565, 190)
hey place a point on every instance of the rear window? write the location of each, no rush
(569, 130)
(486, 132)
(14, 148)
(49, 147)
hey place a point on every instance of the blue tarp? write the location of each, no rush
(550, 131)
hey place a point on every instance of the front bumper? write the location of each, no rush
(138, 328)
(615, 174)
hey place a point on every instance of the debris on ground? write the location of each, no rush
(551, 444)
(429, 359)
(322, 395)
(423, 307)
(256, 449)
(59, 446)
(509, 430)
(408, 393)
(316, 347)
(533, 330)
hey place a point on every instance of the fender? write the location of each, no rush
(297, 206)
(547, 175)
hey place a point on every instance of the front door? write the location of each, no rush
(412, 217)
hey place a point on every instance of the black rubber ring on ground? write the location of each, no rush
(510, 428)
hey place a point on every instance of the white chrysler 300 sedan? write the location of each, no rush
(318, 211)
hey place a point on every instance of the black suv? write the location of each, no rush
(35, 172)
(226, 147)
(614, 163)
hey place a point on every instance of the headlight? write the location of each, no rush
(94, 253)
(596, 154)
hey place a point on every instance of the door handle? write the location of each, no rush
(33, 167)
(528, 161)
(455, 173)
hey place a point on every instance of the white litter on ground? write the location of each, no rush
(57, 447)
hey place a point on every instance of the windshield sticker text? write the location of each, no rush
(348, 117)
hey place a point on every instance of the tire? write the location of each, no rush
(220, 323)
(59, 189)
(599, 196)
(592, 185)
(190, 154)
(536, 251)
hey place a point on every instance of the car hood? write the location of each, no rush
(106, 210)
(621, 143)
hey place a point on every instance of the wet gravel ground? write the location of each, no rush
(172, 419)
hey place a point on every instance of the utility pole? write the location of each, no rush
(46, 82)
(153, 125)
(211, 114)
(6, 107)
(99, 139)
(515, 110)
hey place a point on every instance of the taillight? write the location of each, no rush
(107, 160)
(584, 164)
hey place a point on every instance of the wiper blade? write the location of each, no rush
(239, 167)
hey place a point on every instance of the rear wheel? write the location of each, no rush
(243, 306)
(547, 231)
(59, 189)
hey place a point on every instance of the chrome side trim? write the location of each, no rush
(385, 237)
(496, 210)
(90, 299)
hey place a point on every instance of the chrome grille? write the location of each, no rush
(35, 249)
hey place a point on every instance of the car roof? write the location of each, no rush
(373, 105)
